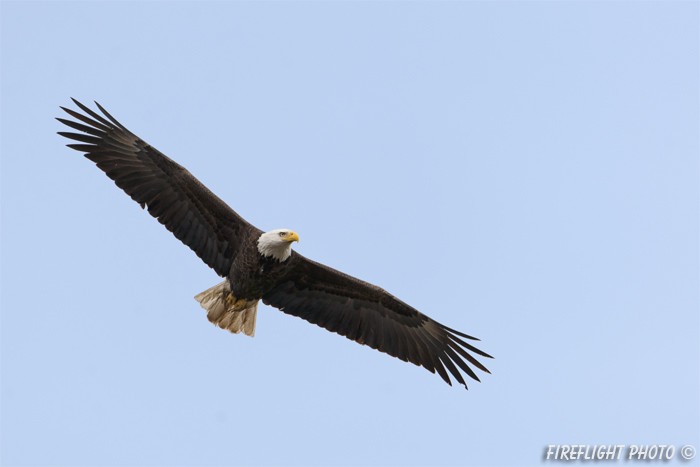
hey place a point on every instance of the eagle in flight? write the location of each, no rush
(261, 265)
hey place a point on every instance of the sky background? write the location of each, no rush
(524, 172)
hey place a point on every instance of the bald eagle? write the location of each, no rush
(261, 265)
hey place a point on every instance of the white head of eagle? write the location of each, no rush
(277, 243)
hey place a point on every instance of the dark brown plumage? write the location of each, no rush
(228, 244)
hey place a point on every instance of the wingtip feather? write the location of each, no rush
(461, 334)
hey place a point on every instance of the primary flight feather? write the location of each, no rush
(261, 265)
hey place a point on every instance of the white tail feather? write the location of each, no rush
(220, 311)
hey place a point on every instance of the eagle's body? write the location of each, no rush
(252, 275)
(261, 265)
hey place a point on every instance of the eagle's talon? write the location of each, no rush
(231, 300)
(240, 305)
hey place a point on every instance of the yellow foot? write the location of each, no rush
(235, 304)
(240, 305)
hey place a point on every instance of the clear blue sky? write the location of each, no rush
(523, 172)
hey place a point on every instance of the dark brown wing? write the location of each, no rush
(179, 201)
(371, 316)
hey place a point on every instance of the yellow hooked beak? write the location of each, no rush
(291, 237)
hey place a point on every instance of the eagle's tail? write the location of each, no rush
(220, 310)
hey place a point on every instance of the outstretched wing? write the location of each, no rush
(179, 201)
(371, 316)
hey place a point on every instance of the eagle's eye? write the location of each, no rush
(282, 234)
